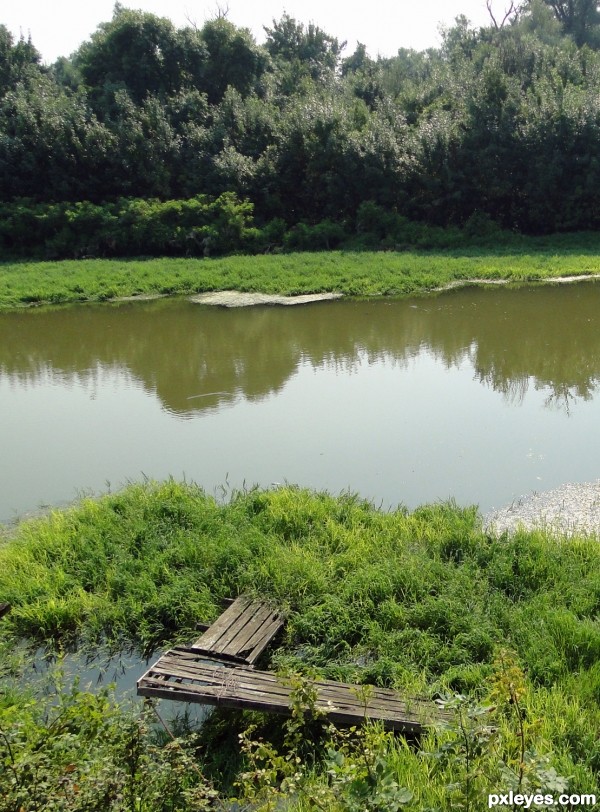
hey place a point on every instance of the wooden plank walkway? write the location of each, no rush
(186, 675)
(241, 633)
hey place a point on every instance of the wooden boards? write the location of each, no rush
(218, 669)
(185, 674)
(241, 633)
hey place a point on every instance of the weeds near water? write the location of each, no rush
(337, 770)
(87, 752)
(354, 273)
(496, 745)
(422, 601)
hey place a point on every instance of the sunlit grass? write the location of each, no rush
(350, 273)
(421, 601)
(425, 592)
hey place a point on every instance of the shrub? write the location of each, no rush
(324, 235)
(199, 226)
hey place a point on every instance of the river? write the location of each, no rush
(475, 394)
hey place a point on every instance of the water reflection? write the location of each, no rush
(197, 359)
(95, 670)
(480, 395)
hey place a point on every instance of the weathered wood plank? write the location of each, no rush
(186, 664)
(182, 659)
(211, 672)
(344, 695)
(280, 704)
(276, 691)
(262, 637)
(192, 693)
(242, 632)
(277, 698)
(228, 642)
(251, 623)
(199, 679)
(222, 623)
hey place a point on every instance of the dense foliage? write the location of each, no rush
(500, 123)
(199, 226)
(423, 601)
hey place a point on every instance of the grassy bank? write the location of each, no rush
(424, 602)
(352, 273)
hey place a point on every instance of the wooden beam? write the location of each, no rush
(183, 674)
(202, 627)
(242, 632)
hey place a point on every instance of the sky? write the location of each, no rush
(58, 27)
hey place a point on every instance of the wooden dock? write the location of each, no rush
(241, 633)
(184, 674)
(218, 669)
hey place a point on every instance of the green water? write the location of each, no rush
(481, 395)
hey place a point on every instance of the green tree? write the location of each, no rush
(146, 149)
(17, 60)
(142, 54)
(51, 146)
(580, 19)
(363, 75)
(301, 52)
(234, 59)
(537, 18)
(65, 73)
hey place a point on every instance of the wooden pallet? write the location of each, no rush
(186, 675)
(241, 633)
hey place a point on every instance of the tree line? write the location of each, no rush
(497, 127)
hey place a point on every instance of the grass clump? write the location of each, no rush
(423, 601)
(354, 273)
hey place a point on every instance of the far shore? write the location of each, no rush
(238, 298)
(285, 279)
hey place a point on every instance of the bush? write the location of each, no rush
(199, 226)
(381, 223)
(268, 238)
(324, 235)
(390, 230)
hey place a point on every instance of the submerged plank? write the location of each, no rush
(183, 674)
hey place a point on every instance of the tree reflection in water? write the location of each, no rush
(197, 358)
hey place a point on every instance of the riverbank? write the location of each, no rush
(572, 509)
(347, 273)
(424, 601)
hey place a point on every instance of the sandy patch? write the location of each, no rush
(576, 278)
(235, 298)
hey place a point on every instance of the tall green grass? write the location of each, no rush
(421, 601)
(352, 273)
(426, 591)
